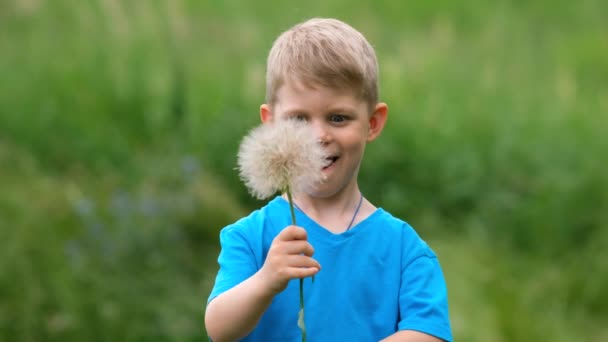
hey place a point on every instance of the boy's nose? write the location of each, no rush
(322, 133)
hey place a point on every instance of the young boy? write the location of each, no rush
(375, 279)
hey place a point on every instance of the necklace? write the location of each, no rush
(356, 211)
(352, 220)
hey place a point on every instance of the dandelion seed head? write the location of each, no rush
(280, 155)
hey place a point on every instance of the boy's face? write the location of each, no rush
(342, 123)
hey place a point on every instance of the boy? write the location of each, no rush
(375, 279)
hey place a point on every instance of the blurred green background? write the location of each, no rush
(120, 122)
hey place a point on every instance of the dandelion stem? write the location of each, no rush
(303, 326)
(301, 314)
(293, 213)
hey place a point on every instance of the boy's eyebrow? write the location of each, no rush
(330, 110)
(341, 109)
(292, 111)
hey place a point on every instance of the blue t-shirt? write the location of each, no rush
(377, 278)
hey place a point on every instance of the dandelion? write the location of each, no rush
(283, 156)
(280, 156)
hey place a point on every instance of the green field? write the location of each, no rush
(120, 122)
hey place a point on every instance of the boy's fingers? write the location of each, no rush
(303, 272)
(302, 261)
(299, 247)
(292, 233)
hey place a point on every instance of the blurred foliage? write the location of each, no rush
(120, 121)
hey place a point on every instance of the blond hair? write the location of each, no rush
(326, 52)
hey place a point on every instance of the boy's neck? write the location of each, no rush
(336, 212)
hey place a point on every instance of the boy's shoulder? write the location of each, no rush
(271, 211)
(389, 221)
(397, 228)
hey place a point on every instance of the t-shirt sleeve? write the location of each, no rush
(423, 303)
(236, 261)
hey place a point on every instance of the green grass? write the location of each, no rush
(119, 124)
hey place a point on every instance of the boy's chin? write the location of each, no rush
(321, 191)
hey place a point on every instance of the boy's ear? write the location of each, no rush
(377, 121)
(265, 113)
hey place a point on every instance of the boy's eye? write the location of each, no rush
(337, 118)
(299, 117)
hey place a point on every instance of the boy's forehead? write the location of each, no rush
(293, 86)
(302, 97)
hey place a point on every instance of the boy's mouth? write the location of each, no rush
(330, 161)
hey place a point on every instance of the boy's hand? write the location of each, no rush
(289, 257)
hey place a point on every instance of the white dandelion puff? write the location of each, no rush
(281, 156)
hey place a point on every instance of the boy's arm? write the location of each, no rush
(423, 302)
(235, 313)
(411, 336)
